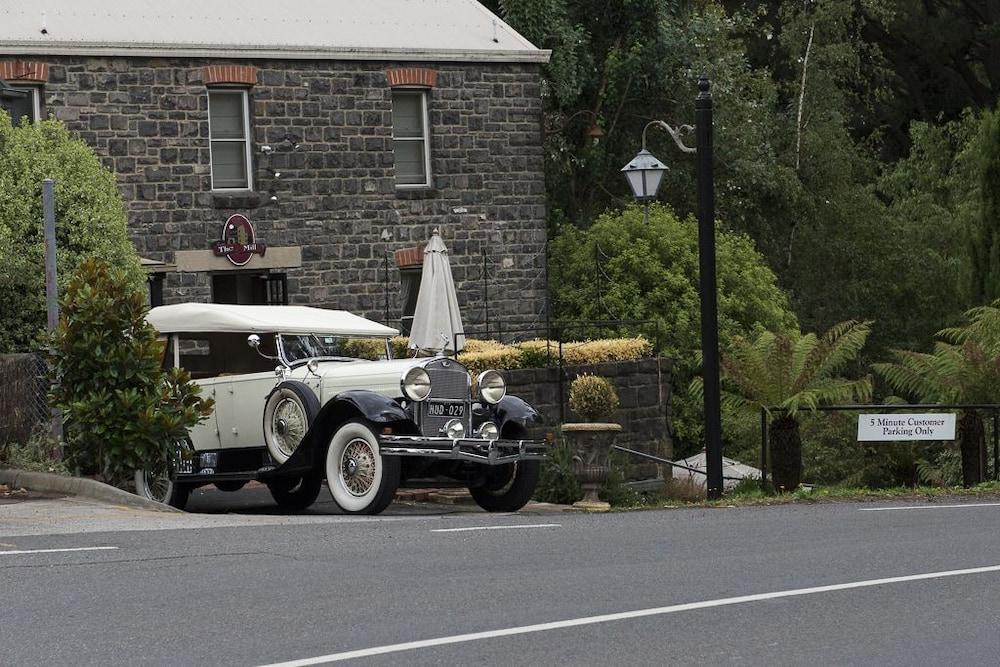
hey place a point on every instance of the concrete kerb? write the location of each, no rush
(44, 482)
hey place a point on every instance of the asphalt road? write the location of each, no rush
(527, 590)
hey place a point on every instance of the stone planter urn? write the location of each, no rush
(591, 444)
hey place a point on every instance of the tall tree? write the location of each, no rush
(90, 219)
(985, 234)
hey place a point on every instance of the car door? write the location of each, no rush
(241, 422)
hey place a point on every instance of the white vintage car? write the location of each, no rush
(304, 395)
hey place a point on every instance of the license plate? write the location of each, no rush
(446, 409)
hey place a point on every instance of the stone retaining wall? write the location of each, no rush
(644, 391)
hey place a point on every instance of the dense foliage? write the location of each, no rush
(90, 222)
(626, 267)
(964, 367)
(846, 138)
(784, 373)
(122, 410)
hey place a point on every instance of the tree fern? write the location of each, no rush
(792, 371)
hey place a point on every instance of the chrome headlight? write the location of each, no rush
(416, 384)
(492, 387)
(488, 431)
(454, 429)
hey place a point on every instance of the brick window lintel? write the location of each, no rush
(411, 76)
(244, 75)
(14, 71)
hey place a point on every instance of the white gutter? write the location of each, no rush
(137, 49)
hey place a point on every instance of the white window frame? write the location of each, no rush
(247, 153)
(426, 138)
(36, 101)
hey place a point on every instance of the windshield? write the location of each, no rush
(299, 347)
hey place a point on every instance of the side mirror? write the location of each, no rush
(253, 340)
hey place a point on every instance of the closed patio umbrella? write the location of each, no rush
(436, 319)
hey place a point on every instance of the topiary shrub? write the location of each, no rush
(123, 411)
(593, 398)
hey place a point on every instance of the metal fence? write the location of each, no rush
(992, 409)
(24, 406)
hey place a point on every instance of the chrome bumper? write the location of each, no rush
(490, 452)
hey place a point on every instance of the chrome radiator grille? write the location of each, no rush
(449, 380)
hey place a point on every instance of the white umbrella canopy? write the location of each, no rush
(436, 319)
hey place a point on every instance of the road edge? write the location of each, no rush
(78, 486)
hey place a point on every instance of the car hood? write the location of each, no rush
(382, 377)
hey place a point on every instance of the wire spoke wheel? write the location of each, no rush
(157, 483)
(357, 467)
(289, 412)
(360, 478)
(288, 425)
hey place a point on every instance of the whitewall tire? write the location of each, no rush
(361, 480)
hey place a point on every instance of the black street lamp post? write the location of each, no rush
(644, 173)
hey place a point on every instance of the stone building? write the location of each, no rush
(284, 155)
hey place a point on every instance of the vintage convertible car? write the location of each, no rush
(304, 395)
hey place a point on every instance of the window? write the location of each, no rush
(409, 138)
(23, 101)
(229, 132)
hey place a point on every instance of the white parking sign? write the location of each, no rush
(931, 426)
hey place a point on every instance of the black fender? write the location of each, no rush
(512, 410)
(368, 405)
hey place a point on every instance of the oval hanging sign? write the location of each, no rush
(239, 242)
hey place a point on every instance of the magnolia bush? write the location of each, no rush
(123, 411)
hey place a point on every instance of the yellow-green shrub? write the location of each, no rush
(593, 398)
(372, 349)
(538, 353)
(476, 345)
(400, 347)
(503, 358)
(611, 349)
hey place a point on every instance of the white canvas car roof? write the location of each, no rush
(227, 318)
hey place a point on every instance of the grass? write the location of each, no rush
(33, 456)
(750, 495)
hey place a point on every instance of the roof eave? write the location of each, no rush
(131, 49)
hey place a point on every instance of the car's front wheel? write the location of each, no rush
(508, 488)
(157, 484)
(361, 480)
(296, 493)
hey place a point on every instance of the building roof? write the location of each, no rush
(452, 30)
(226, 318)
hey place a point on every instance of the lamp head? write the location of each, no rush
(644, 173)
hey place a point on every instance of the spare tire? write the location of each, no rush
(290, 410)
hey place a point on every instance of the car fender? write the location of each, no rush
(352, 404)
(513, 410)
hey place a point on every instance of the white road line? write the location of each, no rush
(607, 618)
(52, 551)
(525, 525)
(926, 507)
